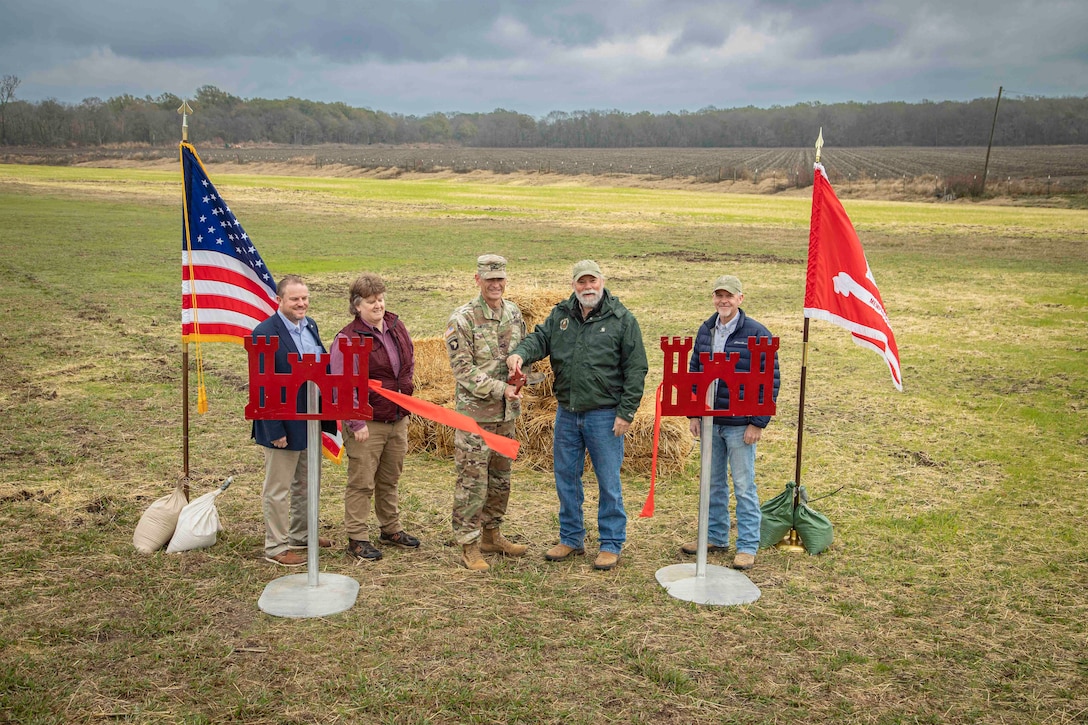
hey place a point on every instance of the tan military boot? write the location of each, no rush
(493, 542)
(470, 557)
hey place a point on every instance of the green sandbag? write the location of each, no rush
(777, 517)
(814, 528)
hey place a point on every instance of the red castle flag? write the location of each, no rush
(839, 286)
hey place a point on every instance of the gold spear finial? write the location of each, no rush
(819, 144)
(186, 111)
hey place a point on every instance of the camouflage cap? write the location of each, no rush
(586, 266)
(729, 283)
(491, 266)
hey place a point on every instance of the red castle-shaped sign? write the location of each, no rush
(274, 396)
(684, 393)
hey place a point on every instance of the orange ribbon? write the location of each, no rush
(648, 507)
(500, 444)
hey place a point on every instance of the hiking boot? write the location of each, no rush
(744, 561)
(287, 558)
(471, 559)
(562, 552)
(363, 550)
(606, 561)
(692, 548)
(402, 539)
(492, 542)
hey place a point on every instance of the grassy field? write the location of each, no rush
(954, 591)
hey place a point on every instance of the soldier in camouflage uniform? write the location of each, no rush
(480, 336)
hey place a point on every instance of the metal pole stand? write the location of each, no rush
(699, 582)
(302, 595)
(791, 542)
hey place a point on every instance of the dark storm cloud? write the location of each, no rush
(699, 35)
(391, 30)
(418, 56)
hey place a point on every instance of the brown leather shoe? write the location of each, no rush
(493, 542)
(562, 552)
(287, 558)
(606, 561)
(744, 561)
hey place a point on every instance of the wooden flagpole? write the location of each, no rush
(801, 414)
(184, 110)
(804, 374)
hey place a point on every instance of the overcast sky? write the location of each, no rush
(419, 56)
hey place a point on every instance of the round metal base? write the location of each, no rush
(292, 596)
(720, 586)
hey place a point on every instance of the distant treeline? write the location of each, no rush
(223, 118)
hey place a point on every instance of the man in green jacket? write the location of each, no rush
(599, 362)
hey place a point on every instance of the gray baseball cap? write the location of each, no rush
(586, 266)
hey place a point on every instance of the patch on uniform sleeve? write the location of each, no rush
(452, 341)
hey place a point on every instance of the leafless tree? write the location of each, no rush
(8, 84)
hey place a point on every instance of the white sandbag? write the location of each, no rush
(157, 524)
(198, 523)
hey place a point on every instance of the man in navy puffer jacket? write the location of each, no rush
(734, 437)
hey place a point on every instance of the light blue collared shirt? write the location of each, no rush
(302, 333)
(722, 332)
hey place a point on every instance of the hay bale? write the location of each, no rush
(434, 383)
(432, 378)
(674, 445)
(536, 425)
(536, 303)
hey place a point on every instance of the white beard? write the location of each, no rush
(589, 298)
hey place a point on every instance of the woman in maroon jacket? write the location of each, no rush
(376, 448)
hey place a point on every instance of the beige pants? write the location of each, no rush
(284, 499)
(374, 468)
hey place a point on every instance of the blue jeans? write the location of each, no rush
(575, 433)
(729, 449)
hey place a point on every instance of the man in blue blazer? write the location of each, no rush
(285, 441)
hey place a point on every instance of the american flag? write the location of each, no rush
(226, 289)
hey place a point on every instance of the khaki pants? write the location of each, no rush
(284, 499)
(374, 468)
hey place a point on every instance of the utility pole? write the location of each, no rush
(986, 166)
